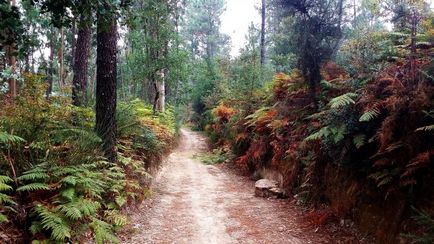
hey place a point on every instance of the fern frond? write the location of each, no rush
(33, 176)
(88, 207)
(322, 133)
(369, 115)
(425, 222)
(120, 201)
(36, 227)
(102, 232)
(3, 218)
(71, 211)
(53, 222)
(5, 199)
(116, 218)
(68, 193)
(69, 180)
(5, 179)
(343, 100)
(5, 187)
(428, 128)
(359, 140)
(7, 139)
(34, 187)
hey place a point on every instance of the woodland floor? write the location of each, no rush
(197, 203)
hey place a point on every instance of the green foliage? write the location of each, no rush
(359, 140)
(370, 115)
(217, 156)
(59, 165)
(343, 100)
(7, 140)
(426, 222)
(6, 201)
(51, 221)
(102, 232)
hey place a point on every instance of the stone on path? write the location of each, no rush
(268, 189)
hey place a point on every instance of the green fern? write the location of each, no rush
(343, 100)
(71, 211)
(5, 199)
(102, 231)
(53, 222)
(426, 222)
(68, 193)
(359, 140)
(4, 186)
(322, 133)
(370, 115)
(3, 218)
(336, 134)
(116, 218)
(384, 177)
(37, 174)
(34, 187)
(8, 140)
(120, 201)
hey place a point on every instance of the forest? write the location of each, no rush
(122, 121)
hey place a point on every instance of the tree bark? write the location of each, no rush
(162, 92)
(12, 63)
(73, 44)
(263, 33)
(106, 81)
(61, 59)
(81, 63)
(50, 69)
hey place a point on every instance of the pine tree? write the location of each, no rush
(106, 79)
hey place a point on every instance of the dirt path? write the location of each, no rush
(195, 203)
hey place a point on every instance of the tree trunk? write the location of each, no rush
(81, 63)
(50, 69)
(157, 94)
(61, 61)
(263, 33)
(106, 81)
(162, 92)
(12, 60)
(73, 44)
(2, 59)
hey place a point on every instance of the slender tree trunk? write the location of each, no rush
(61, 59)
(12, 60)
(161, 91)
(263, 33)
(81, 63)
(50, 69)
(2, 60)
(157, 94)
(106, 80)
(33, 59)
(414, 21)
(121, 82)
(73, 44)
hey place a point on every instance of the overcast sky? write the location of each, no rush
(236, 21)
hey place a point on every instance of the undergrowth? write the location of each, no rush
(376, 125)
(55, 184)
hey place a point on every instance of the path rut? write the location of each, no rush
(200, 204)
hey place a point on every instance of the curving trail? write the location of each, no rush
(195, 203)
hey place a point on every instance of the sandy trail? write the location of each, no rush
(196, 203)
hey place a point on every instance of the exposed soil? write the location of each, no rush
(196, 203)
